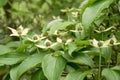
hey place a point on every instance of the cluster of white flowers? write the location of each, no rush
(46, 44)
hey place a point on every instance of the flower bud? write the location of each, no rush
(80, 29)
(48, 44)
(111, 41)
(19, 30)
(101, 28)
(35, 37)
(57, 32)
(64, 41)
(100, 44)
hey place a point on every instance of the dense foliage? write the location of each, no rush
(60, 40)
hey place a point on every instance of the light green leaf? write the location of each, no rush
(38, 75)
(117, 68)
(119, 6)
(71, 47)
(60, 26)
(110, 74)
(80, 58)
(82, 44)
(107, 51)
(11, 58)
(53, 66)
(85, 4)
(93, 11)
(29, 63)
(14, 44)
(51, 24)
(118, 59)
(3, 2)
(83, 59)
(4, 49)
(78, 75)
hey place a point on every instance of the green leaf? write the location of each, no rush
(3, 2)
(118, 59)
(38, 75)
(107, 51)
(4, 49)
(11, 58)
(93, 11)
(14, 44)
(53, 23)
(71, 47)
(82, 44)
(78, 75)
(29, 63)
(6, 77)
(117, 68)
(119, 6)
(60, 26)
(80, 58)
(85, 4)
(53, 66)
(110, 74)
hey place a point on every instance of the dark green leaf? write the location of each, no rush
(110, 74)
(71, 47)
(4, 49)
(80, 58)
(3, 2)
(106, 52)
(11, 58)
(29, 63)
(118, 59)
(93, 11)
(38, 75)
(117, 68)
(53, 66)
(78, 75)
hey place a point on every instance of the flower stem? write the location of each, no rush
(99, 74)
(21, 42)
(109, 59)
(102, 35)
(38, 51)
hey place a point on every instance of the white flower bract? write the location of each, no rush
(20, 31)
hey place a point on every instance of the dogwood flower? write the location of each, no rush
(60, 33)
(113, 41)
(47, 44)
(78, 28)
(63, 41)
(99, 44)
(75, 14)
(20, 31)
(102, 29)
(36, 38)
